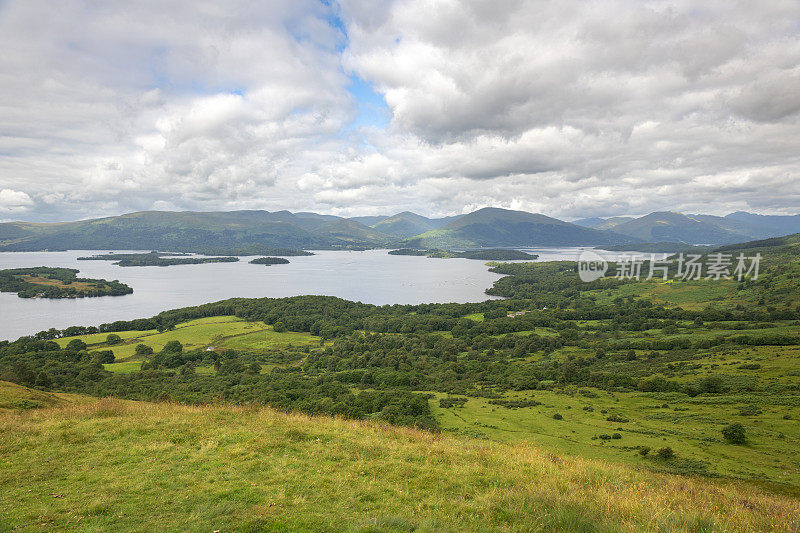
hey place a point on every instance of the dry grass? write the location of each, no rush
(129, 466)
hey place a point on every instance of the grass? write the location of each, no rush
(15, 397)
(50, 282)
(220, 332)
(127, 466)
(689, 426)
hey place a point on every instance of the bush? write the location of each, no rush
(616, 436)
(734, 433)
(558, 416)
(76, 345)
(666, 452)
(143, 349)
(750, 410)
(617, 418)
(173, 347)
(103, 357)
(113, 339)
(644, 450)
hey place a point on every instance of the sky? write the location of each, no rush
(361, 107)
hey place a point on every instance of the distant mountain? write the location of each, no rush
(762, 226)
(171, 231)
(494, 227)
(698, 229)
(370, 220)
(225, 232)
(602, 223)
(351, 232)
(665, 226)
(405, 224)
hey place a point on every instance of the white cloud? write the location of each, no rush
(14, 201)
(570, 108)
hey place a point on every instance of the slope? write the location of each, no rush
(496, 227)
(664, 226)
(101, 466)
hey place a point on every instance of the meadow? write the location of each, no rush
(131, 466)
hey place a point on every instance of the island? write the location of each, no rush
(483, 255)
(156, 259)
(269, 261)
(50, 282)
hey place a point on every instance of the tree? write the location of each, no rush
(666, 453)
(173, 347)
(143, 349)
(734, 433)
(113, 338)
(103, 357)
(76, 345)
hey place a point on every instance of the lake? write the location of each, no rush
(371, 276)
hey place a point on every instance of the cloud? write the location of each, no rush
(569, 108)
(14, 201)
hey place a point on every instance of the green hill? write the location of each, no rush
(505, 228)
(350, 232)
(676, 227)
(129, 466)
(404, 225)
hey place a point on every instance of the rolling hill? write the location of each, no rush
(494, 227)
(406, 224)
(215, 232)
(665, 226)
(698, 229)
(226, 232)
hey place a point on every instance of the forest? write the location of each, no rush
(47, 282)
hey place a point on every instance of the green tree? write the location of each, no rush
(666, 452)
(76, 345)
(734, 433)
(112, 339)
(143, 349)
(173, 347)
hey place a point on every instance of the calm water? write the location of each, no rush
(371, 277)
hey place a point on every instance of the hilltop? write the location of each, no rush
(102, 466)
(502, 227)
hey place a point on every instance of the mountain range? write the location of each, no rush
(262, 231)
(667, 226)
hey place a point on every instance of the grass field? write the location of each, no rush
(220, 332)
(127, 466)
(687, 425)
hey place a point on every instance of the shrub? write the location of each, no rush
(666, 452)
(143, 349)
(734, 433)
(76, 345)
(103, 357)
(173, 347)
(558, 416)
(750, 410)
(113, 338)
(617, 418)
(644, 450)
(616, 436)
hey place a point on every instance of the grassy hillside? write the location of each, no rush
(503, 227)
(677, 227)
(406, 224)
(126, 466)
